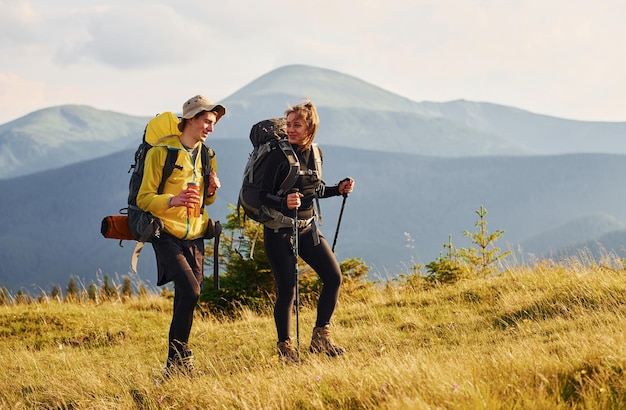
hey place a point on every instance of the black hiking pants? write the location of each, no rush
(181, 261)
(279, 252)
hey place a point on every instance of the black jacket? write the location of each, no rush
(277, 169)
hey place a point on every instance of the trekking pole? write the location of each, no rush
(343, 204)
(295, 269)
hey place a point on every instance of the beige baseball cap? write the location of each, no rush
(200, 103)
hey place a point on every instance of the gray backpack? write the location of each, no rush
(267, 136)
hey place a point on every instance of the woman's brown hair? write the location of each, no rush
(308, 113)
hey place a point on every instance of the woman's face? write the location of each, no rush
(297, 130)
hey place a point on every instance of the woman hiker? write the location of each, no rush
(302, 125)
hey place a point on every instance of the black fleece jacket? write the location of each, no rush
(277, 169)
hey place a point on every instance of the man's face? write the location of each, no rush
(201, 126)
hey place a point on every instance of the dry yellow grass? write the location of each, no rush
(542, 337)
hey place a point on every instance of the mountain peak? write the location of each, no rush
(56, 136)
(326, 88)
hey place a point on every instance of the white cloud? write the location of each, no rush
(138, 36)
(557, 57)
(18, 24)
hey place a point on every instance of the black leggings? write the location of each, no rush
(181, 261)
(320, 258)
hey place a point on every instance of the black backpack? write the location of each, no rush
(267, 136)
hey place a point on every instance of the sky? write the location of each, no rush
(564, 58)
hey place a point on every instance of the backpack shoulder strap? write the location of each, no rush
(317, 157)
(206, 155)
(294, 167)
(168, 167)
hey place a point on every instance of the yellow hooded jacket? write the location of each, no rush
(175, 220)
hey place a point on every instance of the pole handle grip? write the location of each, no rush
(344, 180)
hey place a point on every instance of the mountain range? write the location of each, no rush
(552, 185)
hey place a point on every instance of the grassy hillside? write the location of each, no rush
(542, 337)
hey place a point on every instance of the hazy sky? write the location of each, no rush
(564, 58)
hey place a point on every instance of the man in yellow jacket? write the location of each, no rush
(180, 248)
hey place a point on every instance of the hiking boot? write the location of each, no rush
(182, 365)
(189, 368)
(321, 342)
(287, 352)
